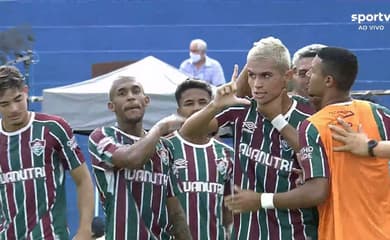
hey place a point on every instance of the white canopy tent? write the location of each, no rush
(84, 104)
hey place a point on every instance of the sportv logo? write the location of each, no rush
(370, 22)
(363, 18)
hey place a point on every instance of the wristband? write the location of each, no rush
(267, 200)
(279, 122)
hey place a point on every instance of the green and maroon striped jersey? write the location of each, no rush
(263, 163)
(204, 173)
(33, 161)
(134, 200)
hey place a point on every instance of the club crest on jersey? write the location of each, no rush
(37, 146)
(249, 126)
(284, 145)
(164, 155)
(222, 165)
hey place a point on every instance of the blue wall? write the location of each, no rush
(72, 35)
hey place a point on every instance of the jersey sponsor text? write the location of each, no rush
(146, 176)
(198, 186)
(22, 175)
(265, 158)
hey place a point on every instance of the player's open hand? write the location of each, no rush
(354, 141)
(243, 201)
(226, 94)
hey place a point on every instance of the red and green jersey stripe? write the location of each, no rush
(204, 173)
(33, 161)
(263, 163)
(134, 201)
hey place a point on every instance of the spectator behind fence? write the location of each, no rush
(36, 150)
(201, 66)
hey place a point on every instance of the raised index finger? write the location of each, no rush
(235, 73)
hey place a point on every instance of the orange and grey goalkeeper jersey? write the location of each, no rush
(358, 205)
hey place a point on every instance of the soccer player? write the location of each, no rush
(36, 150)
(301, 64)
(352, 193)
(204, 168)
(133, 170)
(265, 139)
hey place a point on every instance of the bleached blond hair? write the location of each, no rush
(271, 48)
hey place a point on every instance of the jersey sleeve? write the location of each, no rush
(101, 147)
(229, 115)
(68, 148)
(382, 118)
(174, 187)
(313, 157)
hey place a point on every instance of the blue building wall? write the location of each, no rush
(72, 35)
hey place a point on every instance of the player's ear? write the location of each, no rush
(147, 100)
(111, 106)
(25, 89)
(288, 76)
(330, 81)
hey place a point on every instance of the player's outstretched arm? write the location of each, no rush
(204, 122)
(310, 194)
